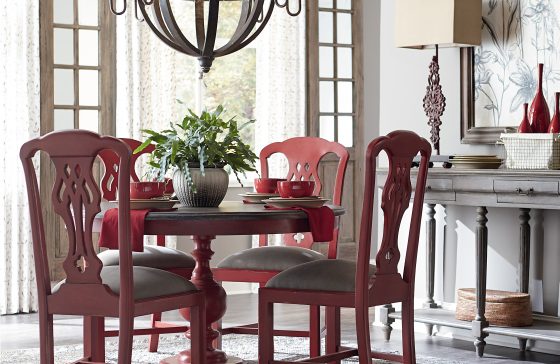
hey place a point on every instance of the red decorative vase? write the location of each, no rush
(539, 113)
(525, 126)
(554, 126)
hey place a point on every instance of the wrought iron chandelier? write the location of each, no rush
(254, 16)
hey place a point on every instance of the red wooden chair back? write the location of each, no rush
(111, 163)
(75, 198)
(401, 147)
(303, 155)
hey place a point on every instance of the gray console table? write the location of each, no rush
(483, 188)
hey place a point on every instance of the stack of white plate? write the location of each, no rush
(476, 161)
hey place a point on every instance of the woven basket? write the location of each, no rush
(532, 151)
(502, 308)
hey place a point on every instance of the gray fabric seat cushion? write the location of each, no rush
(334, 275)
(275, 258)
(153, 256)
(148, 282)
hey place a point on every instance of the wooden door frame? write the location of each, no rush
(107, 114)
(312, 127)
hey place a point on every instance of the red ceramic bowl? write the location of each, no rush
(296, 188)
(146, 190)
(267, 185)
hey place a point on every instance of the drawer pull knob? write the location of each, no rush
(521, 192)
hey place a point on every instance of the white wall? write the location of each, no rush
(402, 78)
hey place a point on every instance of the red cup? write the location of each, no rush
(146, 190)
(168, 190)
(296, 188)
(267, 185)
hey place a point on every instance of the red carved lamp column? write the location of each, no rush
(434, 102)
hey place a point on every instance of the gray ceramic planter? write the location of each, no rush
(210, 188)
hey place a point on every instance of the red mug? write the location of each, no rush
(296, 188)
(146, 190)
(168, 189)
(267, 185)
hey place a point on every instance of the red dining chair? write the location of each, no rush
(258, 265)
(91, 289)
(158, 256)
(338, 283)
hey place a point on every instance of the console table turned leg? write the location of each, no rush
(387, 321)
(430, 261)
(524, 258)
(480, 322)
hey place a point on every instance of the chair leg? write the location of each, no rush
(198, 333)
(126, 326)
(332, 318)
(46, 341)
(409, 355)
(94, 338)
(362, 333)
(154, 338)
(160, 240)
(266, 330)
(314, 331)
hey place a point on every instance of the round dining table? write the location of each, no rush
(204, 224)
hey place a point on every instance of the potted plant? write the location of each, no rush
(197, 150)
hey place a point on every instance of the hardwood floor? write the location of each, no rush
(21, 331)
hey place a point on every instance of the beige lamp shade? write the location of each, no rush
(446, 23)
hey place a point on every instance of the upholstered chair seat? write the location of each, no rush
(153, 256)
(335, 275)
(270, 258)
(148, 282)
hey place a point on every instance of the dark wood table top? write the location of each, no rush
(230, 218)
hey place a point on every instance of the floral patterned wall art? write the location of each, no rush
(516, 36)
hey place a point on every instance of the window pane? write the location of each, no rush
(344, 62)
(89, 40)
(326, 127)
(344, 28)
(89, 86)
(326, 59)
(63, 119)
(326, 96)
(89, 120)
(63, 87)
(325, 27)
(345, 130)
(344, 4)
(63, 11)
(345, 97)
(326, 3)
(87, 12)
(63, 46)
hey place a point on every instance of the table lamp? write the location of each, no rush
(432, 24)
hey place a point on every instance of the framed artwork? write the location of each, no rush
(498, 77)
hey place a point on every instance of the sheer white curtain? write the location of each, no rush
(281, 78)
(148, 73)
(19, 115)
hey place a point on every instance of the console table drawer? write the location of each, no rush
(439, 184)
(525, 188)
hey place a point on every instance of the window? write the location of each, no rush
(79, 66)
(335, 98)
(77, 86)
(337, 106)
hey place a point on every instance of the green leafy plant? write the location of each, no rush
(200, 141)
